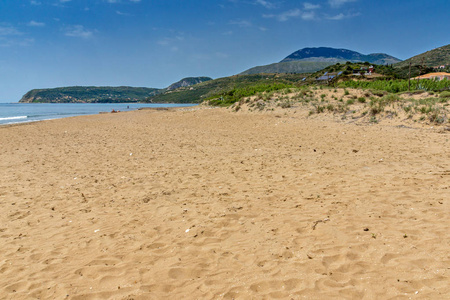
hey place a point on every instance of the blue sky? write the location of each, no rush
(153, 43)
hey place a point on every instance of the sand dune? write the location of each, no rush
(210, 204)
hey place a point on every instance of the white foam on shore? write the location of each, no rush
(13, 118)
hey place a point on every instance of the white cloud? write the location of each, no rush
(222, 55)
(4, 42)
(245, 24)
(310, 6)
(265, 3)
(241, 23)
(338, 3)
(342, 16)
(308, 16)
(122, 13)
(337, 17)
(164, 42)
(11, 36)
(7, 30)
(35, 24)
(294, 13)
(78, 31)
(120, 1)
(34, 2)
(169, 41)
(285, 16)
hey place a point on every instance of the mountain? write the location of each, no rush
(433, 58)
(326, 54)
(310, 60)
(185, 82)
(89, 94)
(289, 67)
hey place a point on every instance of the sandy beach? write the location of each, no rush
(213, 204)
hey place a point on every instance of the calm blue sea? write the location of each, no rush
(31, 112)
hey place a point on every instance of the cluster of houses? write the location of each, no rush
(441, 67)
(366, 71)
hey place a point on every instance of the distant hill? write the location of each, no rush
(185, 82)
(326, 54)
(424, 63)
(202, 91)
(433, 58)
(102, 94)
(288, 67)
(89, 94)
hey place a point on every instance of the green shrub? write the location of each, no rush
(376, 110)
(397, 85)
(236, 94)
(320, 109)
(445, 94)
(285, 104)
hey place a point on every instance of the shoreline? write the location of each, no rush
(28, 116)
(209, 203)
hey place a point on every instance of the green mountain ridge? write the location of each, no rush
(433, 58)
(289, 67)
(188, 81)
(309, 60)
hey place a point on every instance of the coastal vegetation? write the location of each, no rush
(354, 105)
(231, 89)
(397, 85)
(236, 94)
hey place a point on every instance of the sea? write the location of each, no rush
(11, 113)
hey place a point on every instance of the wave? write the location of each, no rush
(13, 118)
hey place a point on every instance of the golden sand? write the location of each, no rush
(210, 204)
